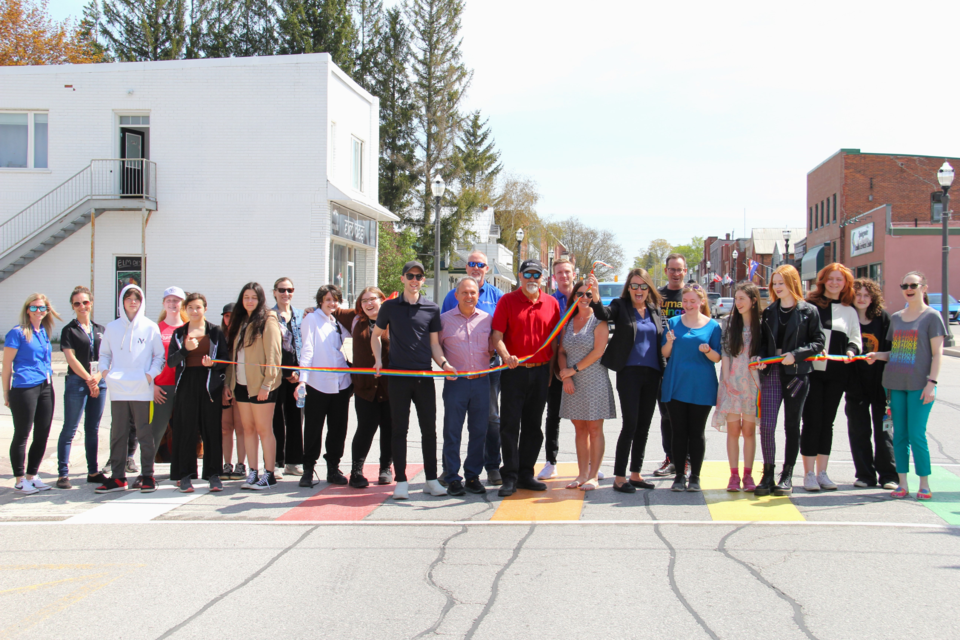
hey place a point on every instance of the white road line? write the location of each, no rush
(135, 507)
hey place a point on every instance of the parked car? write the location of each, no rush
(713, 299)
(724, 306)
(954, 308)
(609, 291)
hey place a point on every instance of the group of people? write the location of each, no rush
(273, 377)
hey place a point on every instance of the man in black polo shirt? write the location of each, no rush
(414, 323)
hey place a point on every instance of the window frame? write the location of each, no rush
(356, 163)
(31, 140)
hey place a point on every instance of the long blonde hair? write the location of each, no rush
(47, 323)
(697, 289)
(183, 312)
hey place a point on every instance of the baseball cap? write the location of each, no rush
(412, 265)
(228, 308)
(531, 264)
(175, 291)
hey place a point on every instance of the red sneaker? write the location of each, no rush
(748, 484)
(112, 485)
(148, 484)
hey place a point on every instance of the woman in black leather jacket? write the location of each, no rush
(634, 353)
(789, 327)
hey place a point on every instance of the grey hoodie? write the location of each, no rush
(131, 350)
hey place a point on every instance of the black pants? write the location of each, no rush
(688, 421)
(819, 412)
(552, 427)
(370, 416)
(523, 396)
(32, 410)
(334, 409)
(865, 418)
(423, 394)
(666, 433)
(637, 388)
(288, 425)
(193, 414)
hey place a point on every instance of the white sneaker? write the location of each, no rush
(278, 473)
(860, 484)
(26, 488)
(132, 465)
(548, 472)
(825, 482)
(434, 488)
(810, 482)
(600, 475)
(292, 470)
(402, 491)
(890, 486)
(39, 484)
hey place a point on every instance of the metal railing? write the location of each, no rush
(107, 178)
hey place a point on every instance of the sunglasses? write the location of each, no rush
(368, 300)
(415, 276)
(589, 295)
(282, 290)
(85, 303)
(639, 285)
(695, 287)
(904, 286)
(477, 265)
(41, 308)
(532, 275)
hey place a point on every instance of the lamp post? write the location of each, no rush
(437, 187)
(734, 255)
(709, 276)
(786, 246)
(519, 240)
(945, 178)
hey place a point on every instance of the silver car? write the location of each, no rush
(724, 306)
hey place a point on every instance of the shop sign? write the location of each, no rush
(353, 227)
(861, 240)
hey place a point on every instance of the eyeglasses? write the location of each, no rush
(675, 270)
(532, 275)
(281, 290)
(904, 286)
(40, 308)
(367, 301)
(639, 285)
(84, 303)
(415, 276)
(477, 265)
(589, 295)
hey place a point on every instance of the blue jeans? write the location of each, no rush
(77, 402)
(491, 452)
(470, 399)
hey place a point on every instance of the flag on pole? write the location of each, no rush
(716, 277)
(753, 269)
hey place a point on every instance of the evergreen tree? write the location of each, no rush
(90, 31)
(200, 10)
(145, 29)
(255, 33)
(369, 21)
(220, 28)
(319, 26)
(476, 163)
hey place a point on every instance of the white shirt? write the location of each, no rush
(322, 344)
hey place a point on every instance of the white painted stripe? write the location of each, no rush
(136, 508)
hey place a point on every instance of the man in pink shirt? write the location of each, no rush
(465, 340)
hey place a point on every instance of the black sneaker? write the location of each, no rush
(185, 485)
(473, 485)
(138, 483)
(265, 482)
(227, 473)
(455, 488)
(306, 479)
(335, 477)
(148, 484)
(252, 479)
(358, 480)
(239, 472)
(216, 486)
(97, 478)
(112, 486)
(531, 484)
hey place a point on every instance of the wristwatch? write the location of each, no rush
(576, 369)
(932, 380)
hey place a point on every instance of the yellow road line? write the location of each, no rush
(556, 503)
(742, 506)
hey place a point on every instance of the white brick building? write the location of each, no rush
(255, 168)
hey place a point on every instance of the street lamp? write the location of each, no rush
(945, 178)
(519, 240)
(709, 276)
(437, 187)
(735, 254)
(786, 246)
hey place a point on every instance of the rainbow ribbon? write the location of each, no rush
(818, 358)
(438, 374)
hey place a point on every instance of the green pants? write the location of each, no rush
(910, 430)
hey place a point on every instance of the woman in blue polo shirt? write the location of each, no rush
(692, 346)
(29, 394)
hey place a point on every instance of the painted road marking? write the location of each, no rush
(556, 503)
(344, 503)
(135, 507)
(946, 494)
(742, 506)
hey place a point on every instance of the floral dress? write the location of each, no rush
(739, 385)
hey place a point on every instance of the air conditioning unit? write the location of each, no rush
(494, 232)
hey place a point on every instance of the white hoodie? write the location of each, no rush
(131, 350)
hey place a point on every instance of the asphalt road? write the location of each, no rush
(333, 562)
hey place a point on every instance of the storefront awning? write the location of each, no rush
(812, 263)
(357, 202)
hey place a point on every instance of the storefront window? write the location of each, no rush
(346, 264)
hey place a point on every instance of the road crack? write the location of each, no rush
(798, 616)
(451, 601)
(495, 587)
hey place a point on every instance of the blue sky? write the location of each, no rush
(668, 120)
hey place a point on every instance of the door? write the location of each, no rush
(131, 173)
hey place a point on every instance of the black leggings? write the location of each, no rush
(194, 414)
(819, 412)
(637, 388)
(32, 409)
(288, 425)
(334, 408)
(370, 416)
(688, 422)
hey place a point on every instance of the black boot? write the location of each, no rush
(767, 482)
(334, 476)
(357, 480)
(785, 486)
(306, 480)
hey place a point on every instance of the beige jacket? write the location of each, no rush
(265, 349)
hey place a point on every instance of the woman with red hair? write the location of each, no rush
(833, 298)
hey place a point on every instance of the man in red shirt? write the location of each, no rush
(522, 321)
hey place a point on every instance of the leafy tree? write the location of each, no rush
(145, 29)
(90, 31)
(653, 259)
(395, 248)
(28, 36)
(588, 245)
(692, 251)
(255, 31)
(319, 26)
(516, 208)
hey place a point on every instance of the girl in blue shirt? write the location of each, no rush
(692, 346)
(28, 389)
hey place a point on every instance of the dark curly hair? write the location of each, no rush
(876, 295)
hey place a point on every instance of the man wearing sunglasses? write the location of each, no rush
(477, 268)
(523, 320)
(414, 323)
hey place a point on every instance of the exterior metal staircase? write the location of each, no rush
(103, 185)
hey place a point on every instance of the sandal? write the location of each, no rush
(924, 494)
(900, 492)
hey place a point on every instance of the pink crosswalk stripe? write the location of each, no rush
(346, 503)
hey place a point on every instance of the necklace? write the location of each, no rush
(784, 316)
